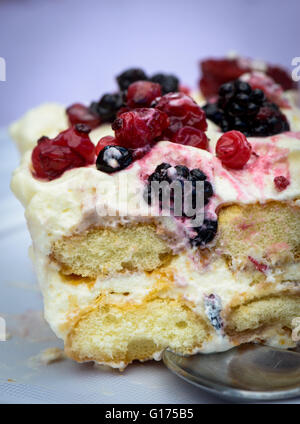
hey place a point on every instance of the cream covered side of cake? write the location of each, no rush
(137, 308)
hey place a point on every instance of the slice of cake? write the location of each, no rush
(161, 231)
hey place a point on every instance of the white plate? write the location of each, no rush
(22, 378)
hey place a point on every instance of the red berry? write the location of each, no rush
(233, 149)
(142, 93)
(216, 72)
(139, 127)
(80, 114)
(281, 183)
(282, 77)
(72, 148)
(182, 111)
(123, 110)
(190, 136)
(184, 89)
(258, 265)
(105, 141)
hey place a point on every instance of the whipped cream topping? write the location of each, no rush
(59, 207)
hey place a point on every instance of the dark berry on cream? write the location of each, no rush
(205, 233)
(113, 158)
(241, 108)
(213, 309)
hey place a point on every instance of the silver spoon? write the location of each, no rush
(247, 372)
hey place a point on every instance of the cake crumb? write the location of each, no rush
(50, 355)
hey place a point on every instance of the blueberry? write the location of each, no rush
(129, 76)
(169, 83)
(213, 308)
(113, 158)
(205, 233)
(108, 106)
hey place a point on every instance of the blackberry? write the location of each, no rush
(169, 83)
(108, 106)
(213, 113)
(208, 191)
(129, 76)
(182, 172)
(113, 158)
(205, 233)
(270, 120)
(168, 173)
(197, 175)
(246, 110)
(160, 173)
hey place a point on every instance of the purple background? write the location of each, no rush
(70, 50)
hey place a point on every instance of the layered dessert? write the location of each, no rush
(157, 224)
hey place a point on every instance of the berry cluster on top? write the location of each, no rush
(216, 72)
(174, 116)
(70, 149)
(138, 95)
(239, 107)
(203, 234)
